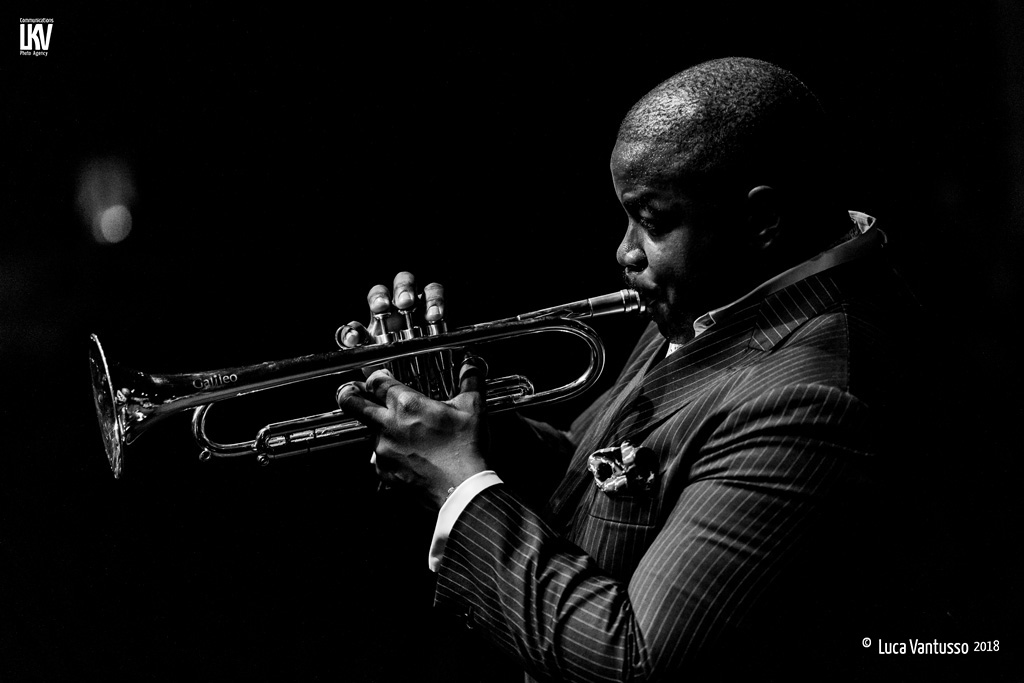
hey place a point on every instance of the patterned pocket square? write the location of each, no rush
(623, 469)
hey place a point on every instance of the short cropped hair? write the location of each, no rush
(734, 121)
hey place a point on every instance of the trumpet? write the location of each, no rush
(129, 402)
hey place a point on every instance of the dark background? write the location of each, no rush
(284, 161)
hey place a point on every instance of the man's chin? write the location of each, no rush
(672, 326)
(658, 313)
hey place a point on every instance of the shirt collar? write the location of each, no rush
(863, 239)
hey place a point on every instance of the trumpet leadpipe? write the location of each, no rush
(622, 301)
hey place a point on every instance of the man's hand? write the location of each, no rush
(426, 445)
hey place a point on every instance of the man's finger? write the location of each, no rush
(379, 299)
(434, 295)
(351, 335)
(405, 290)
(472, 380)
(380, 383)
(352, 398)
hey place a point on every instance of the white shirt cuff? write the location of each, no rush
(451, 510)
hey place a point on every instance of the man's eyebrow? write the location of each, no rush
(636, 203)
(650, 199)
(634, 197)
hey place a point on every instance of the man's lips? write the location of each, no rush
(631, 281)
(647, 293)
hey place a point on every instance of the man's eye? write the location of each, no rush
(653, 223)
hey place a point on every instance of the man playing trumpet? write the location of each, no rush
(711, 515)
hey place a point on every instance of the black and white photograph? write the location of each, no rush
(475, 343)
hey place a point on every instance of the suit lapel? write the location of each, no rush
(572, 486)
(671, 384)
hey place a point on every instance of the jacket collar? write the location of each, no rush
(863, 239)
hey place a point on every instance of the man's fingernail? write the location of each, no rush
(379, 299)
(434, 312)
(352, 337)
(404, 299)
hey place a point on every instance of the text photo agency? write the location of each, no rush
(34, 35)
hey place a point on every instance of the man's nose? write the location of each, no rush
(630, 253)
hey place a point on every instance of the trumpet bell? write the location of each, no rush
(105, 399)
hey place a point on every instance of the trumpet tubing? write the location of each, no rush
(129, 402)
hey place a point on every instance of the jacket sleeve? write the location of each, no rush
(766, 471)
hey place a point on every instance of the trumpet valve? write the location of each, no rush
(380, 329)
(409, 330)
(442, 369)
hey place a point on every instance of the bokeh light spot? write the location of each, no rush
(115, 223)
(105, 193)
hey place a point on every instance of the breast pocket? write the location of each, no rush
(618, 529)
(629, 488)
(640, 509)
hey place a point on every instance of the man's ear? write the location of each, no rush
(764, 216)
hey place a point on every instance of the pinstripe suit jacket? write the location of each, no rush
(766, 430)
